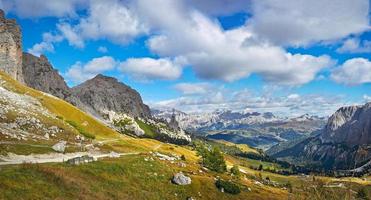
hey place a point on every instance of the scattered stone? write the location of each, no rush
(181, 179)
(80, 160)
(113, 154)
(60, 146)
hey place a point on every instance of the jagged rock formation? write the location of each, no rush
(39, 74)
(344, 143)
(10, 47)
(104, 94)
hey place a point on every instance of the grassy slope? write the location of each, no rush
(131, 177)
(61, 108)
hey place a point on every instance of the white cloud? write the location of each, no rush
(80, 72)
(102, 49)
(301, 22)
(109, 19)
(353, 72)
(230, 55)
(146, 69)
(367, 98)
(242, 100)
(355, 45)
(46, 45)
(70, 33)
(193, 88)
(42, 8)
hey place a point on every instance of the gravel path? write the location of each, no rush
(13, 159)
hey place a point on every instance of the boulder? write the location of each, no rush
(60, 146)
(181, 179)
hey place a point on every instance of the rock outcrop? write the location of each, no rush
(10, 47)
(39, 74)
(181, 179)
(350, 125)
(104, 94)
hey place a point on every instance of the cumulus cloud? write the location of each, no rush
(355, 45)
(42, 8)
(46, 45)
(193, 88)
(111, 19)
(70, 33)
(245, 100)
(80, 72)
(230, 55)
(301, 22)
(353, 72)
(367, 98)
(146, 69)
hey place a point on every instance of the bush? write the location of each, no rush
(212, 159)
(183, 157)
(80, 129)
(235, 170)
(362, 195)
(228, 186)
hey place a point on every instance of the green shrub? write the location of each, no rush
(81, 130)
(362, 194)
(228, 186)
(212, 159)
(235, 170)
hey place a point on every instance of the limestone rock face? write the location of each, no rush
(344, 143)
(39, 74)
(349, 125)
(104, 94)
(10, 47)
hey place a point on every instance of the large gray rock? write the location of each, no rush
(60, 146)
(104, 94)
(181, 179)
(10, 47)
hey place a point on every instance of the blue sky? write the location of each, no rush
(290, 59)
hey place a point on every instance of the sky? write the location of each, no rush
(288, 57)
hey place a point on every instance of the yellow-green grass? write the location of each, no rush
(243, 147)
(130, 177)
(61, 108)
(148, 129)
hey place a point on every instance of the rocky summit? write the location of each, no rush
(10, 47)
(105, 94)
(342, 144)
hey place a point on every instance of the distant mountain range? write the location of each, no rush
(261, 130)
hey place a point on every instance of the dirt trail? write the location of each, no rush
(13, 159)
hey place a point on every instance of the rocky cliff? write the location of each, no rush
(350, 125)
(106, 94)
(344, 143)
(10, 47)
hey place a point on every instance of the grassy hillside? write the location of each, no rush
(143, 175)
(61, 109)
